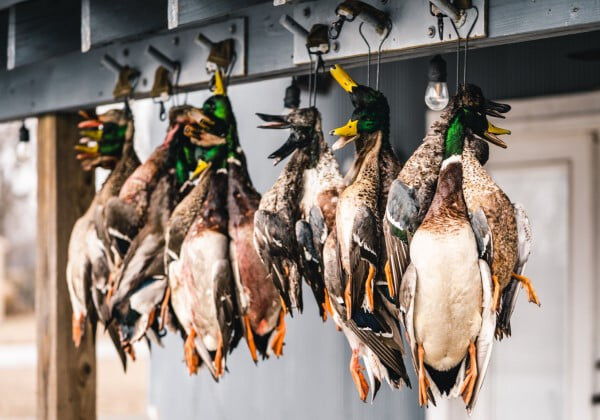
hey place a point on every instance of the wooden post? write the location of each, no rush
(66, 376)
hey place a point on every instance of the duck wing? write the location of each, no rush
(511, 292)
(224, 295)
(310, 261)
(275, 242)
(401, 221)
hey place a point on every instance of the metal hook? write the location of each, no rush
(386, 36)
(362, 35)
(458, 38)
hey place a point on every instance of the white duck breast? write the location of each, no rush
(207, 253)
(448, 294)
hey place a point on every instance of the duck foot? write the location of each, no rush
(356, 370)
(250, 338)
(326, 305)
(128, 348)
(191, 355)
(369, 288)
(219, 357)
(423, 381)
(526, 283)
(496, 295)
(78, 328)
(278, 341)
(389, 278)
(164, 308)
(468, 384)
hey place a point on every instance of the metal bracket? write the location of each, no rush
(412, 26)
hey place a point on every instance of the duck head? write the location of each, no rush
(302, 123)
(103, 138)
(214, 124)
(371, 111)
(469, 109)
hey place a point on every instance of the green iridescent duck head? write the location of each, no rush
(371, 110)
(103, 138)
(303, 124)
(469, 110)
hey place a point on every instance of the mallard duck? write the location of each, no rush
(207, 282)
(126, 214)
(321, 183)
(361, 307)
(361, 205)
(260, 310)
(446, 292)
(107, 142)
(141, 282)
(416, 182)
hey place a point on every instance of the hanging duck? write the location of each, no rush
(107, 142)
(202, 290)
(361, 205)
(126, 214)
(411, 193)
(361, 308)
(320, 184)
(140, 283)
(446, 293)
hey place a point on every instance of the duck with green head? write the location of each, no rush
(353, 252)
(311, 210)
(125, 214)
(107, 141)
(446, 293)
(411, 193)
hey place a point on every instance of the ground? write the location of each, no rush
(120, 396)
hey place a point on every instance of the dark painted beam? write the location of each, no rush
(41, 29)
(5, 4)
(3, 37)
(104, 21)
(185, 12)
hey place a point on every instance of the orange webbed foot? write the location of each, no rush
(526, 283)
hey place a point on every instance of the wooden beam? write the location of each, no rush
(104, 21)
(41, 29)
(186, 12)
(66, 376)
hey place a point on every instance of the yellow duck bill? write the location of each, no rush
(347, 133)
(343, 78)
(492, 133)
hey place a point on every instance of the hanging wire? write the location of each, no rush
(466, 47)
(386, 36)
(467, 43)
(310, 71)
(362, 35)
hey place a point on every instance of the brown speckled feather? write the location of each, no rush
(481, 191)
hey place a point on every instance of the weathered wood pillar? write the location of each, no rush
(66, 376)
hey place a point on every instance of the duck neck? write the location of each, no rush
(455, 138)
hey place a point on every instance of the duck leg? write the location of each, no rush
(358, 377)
(326, 305)
(390, 279)
(250, 338)
(496, 295)
(369, 288)
(219, 356)
(526, 283)
(468, 384)
(423, 381)
(278, 341)
(192, 359)
(348, 297)
(78, 327)
(164, 308)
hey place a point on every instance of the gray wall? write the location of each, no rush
(312, 379)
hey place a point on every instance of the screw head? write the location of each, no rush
(431, 31)
(232, 28)
(336, 46)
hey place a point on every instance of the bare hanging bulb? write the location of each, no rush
(23, 151)
(436, 94)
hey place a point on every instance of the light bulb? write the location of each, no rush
(436, 95)
(23, 151)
